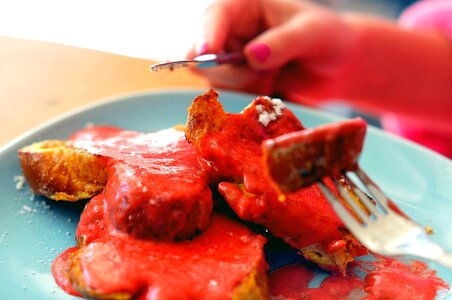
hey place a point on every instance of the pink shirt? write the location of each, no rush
(431, 14)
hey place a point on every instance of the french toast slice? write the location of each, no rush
(232, 143)
(59, 171)
(226, 261)
(156, 184)
(299, 159)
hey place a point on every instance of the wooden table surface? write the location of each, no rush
(40, 80)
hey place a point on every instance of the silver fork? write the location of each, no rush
(201, 62)
(378, 226)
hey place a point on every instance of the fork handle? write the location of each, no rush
(425, 247)
(444, 259)
(231, 58)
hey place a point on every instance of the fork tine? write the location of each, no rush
(365, 199)
(361, 214)
(393, 234)
(342, 212)
(377, 195)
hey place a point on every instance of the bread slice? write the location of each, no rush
(298, 159)
(232, 143)
(58, 171)
(225, 262)
(156, 184)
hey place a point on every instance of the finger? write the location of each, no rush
(307, 36)
(279, 45)
(296, 84)
(216, 27)
(229, 24)
(191, 52)
(240, 78)
(277, 12)
(228, 76)
(290, 83)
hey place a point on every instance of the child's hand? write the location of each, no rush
(290, 45)
(304, 52)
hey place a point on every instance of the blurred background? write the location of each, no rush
(58, 55)
(151, 29)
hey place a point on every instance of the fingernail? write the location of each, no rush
(260, 51)
(203, 49)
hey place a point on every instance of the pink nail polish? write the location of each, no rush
(260, 51)
(203, 49)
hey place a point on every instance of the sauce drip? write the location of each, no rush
(162, 178)
(305, 220)
(384, 278)
(221, 261)
(158, 186)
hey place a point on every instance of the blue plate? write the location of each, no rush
(34, 230)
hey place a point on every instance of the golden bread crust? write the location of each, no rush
(57, 171)
(205, 115)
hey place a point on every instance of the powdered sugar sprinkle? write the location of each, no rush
(265, 117)
(20, 182)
